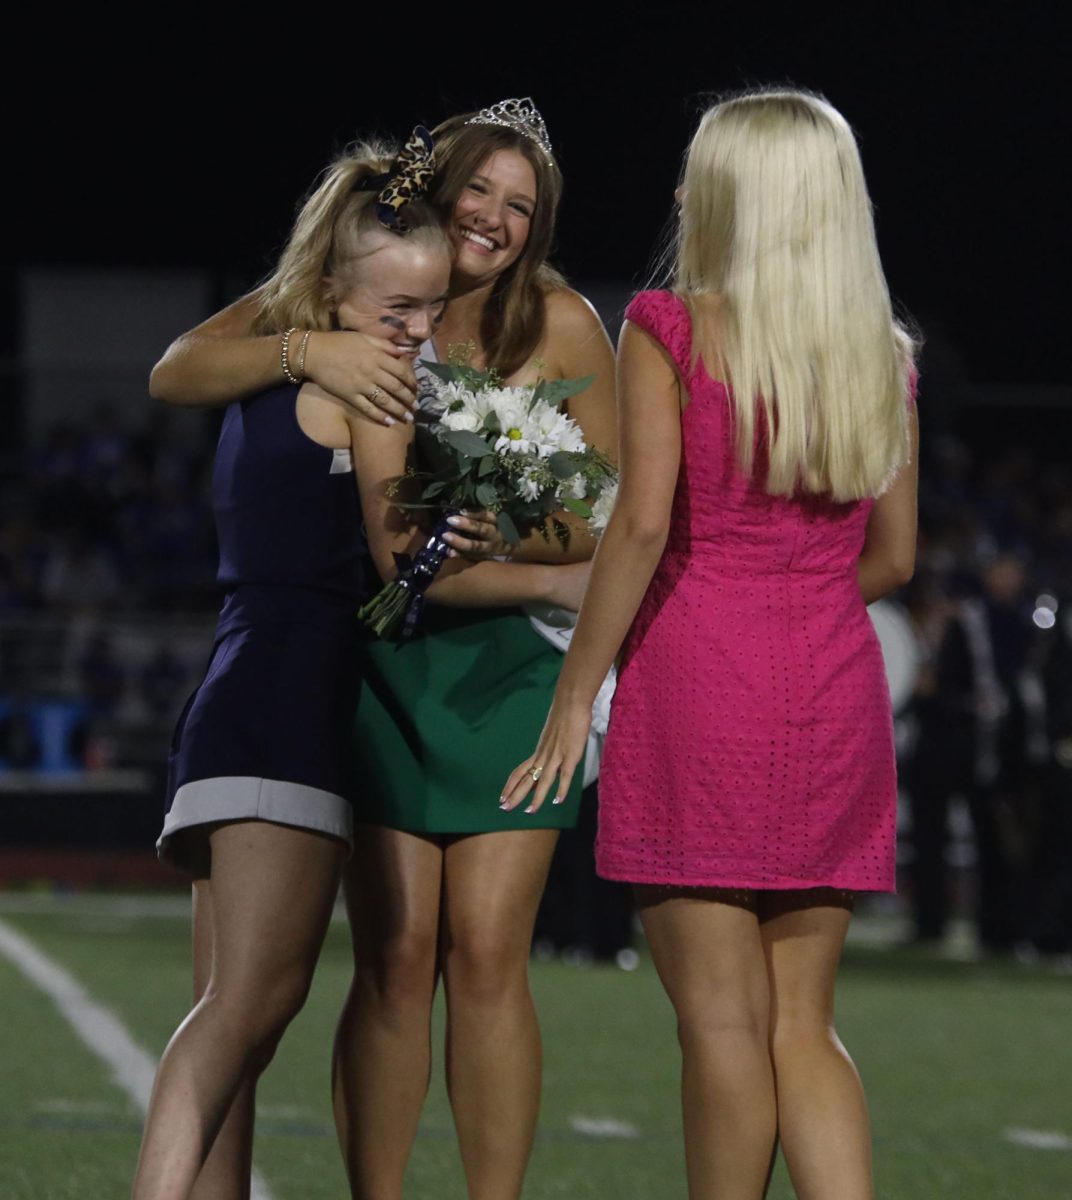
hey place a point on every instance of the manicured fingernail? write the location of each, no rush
(559, 800)
(388, 420)
(454, 520)
(531, 808)
(409, 417)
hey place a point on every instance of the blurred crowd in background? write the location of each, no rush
(107, 518)
(987, 736)
(107, 591)
(107, 563)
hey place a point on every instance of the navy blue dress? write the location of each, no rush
(264, 736)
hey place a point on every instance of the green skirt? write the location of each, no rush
(444, 718)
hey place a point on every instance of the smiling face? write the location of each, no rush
(492, 217)
(398, 292)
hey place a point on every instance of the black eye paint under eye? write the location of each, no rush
(395, 323)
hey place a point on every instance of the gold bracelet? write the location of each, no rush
(284, 355)
(301, 353)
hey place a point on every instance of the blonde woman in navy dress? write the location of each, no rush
(748, 786)
(261, 775)
(413, 888)
(441, 885)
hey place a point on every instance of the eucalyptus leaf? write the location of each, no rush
(557, 390)
(564, 465)
(577, 506)
(469, 444)
(507, 528)
(486, 495)
(492, 423)
(434, 489)
(487, 465)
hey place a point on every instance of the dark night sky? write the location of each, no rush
(193, 151)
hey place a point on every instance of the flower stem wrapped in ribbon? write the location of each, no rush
(401, 602)
(507, 449)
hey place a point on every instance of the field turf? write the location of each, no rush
(956, 1056)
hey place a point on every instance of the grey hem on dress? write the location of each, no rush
(250, 798)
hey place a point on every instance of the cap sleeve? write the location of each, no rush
(665, 317)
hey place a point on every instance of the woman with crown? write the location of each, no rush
(442, 883)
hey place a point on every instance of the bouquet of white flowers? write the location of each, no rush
(507, 449)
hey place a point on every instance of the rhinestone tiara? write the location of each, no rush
(520, 115)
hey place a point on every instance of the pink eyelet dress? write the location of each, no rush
(751, 737)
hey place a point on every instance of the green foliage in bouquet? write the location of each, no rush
(508, 449)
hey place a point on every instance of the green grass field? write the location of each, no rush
(953, 1054)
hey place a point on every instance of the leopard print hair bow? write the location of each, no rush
(409, 179)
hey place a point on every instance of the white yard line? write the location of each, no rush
(132, 1067)
(602, 1127)
(1039, 1139)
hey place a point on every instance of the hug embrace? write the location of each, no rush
(762, 420)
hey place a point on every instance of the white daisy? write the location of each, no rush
(601, 508)
(528, 486)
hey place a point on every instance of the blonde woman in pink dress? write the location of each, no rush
(768, 494)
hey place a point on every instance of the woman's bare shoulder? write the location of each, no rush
(568, 312)
(575, 338)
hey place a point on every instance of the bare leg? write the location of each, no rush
(229, 1166)
(382, 1048)
(707, 949)
(822, 1113)
(491, 891)
(272, 892)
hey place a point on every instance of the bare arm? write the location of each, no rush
(629, 551)
(889, 554)
(220, 361)
(462, 584)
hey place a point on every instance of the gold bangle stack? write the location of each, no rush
(301, 353)
(284, 355)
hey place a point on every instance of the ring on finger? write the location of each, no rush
(375, 394)
(536, 772)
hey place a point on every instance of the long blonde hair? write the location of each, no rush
(335, 229)
(776, 226)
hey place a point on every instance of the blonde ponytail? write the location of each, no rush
(336, 227)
